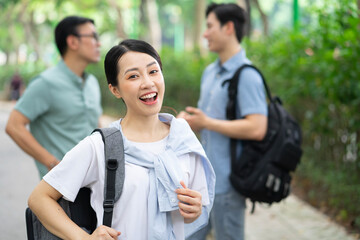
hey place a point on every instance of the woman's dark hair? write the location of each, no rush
(226, 12)
(68, 26)
(115, 53)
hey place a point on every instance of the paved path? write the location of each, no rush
(18, 176)
(290, 220)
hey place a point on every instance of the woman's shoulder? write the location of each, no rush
(93, 142)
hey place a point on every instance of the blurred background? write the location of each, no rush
(308, 50)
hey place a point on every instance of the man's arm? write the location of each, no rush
(252, 127)
(16, 129)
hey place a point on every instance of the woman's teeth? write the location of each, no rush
(148, 96)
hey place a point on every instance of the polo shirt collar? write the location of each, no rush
(232, 63)
(72, 76)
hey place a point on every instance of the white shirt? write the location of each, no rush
(84, 166)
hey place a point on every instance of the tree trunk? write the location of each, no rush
(7, 55)
(143, 21)
(154, 27)
(119, 21)
(245, 4)
(264, 18)
(35, 35)
(199, 13)
(27, 20)
(10, 38)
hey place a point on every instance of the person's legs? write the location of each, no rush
(228, 216)
(202, 233)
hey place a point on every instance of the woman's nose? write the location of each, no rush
(147, 82)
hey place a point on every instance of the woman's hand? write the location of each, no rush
(190, 205)
(104, 233)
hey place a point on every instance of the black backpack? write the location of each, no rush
(262, 172)
(80, 211)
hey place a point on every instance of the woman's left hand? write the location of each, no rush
(190, 205)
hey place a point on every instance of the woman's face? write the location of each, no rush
(140, 84)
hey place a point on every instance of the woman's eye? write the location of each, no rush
(132, 76)
(153, 71)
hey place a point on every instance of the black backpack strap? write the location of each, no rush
(232, 100)
(233, 89)
(252, 207)
(114, 170)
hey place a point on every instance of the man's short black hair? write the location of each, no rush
(68, 26)
(226, 12)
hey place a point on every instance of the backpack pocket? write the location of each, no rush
(247, 162)
(289, 156)
(272, 186)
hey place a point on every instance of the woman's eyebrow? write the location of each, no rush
(135, 69)
(131, 69)
(152, 63)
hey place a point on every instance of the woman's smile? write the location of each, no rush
(149, 98)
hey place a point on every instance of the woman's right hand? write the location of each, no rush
(104, 233)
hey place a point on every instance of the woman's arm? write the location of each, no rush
(43, 202)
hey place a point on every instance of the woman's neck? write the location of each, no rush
(144, 129)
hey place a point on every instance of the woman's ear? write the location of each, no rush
(114, 91)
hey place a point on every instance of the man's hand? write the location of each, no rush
(190, 205)
(182, 114)
(196, 118)
(52, 163)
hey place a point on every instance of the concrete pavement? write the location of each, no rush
(290, 219)
(18, 176)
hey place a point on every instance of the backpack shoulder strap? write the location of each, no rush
(232, 101)
(233, 90)
(114, 170)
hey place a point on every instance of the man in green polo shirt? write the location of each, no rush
(62, 105)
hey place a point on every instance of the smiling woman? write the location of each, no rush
(169, 182)
(140, 84)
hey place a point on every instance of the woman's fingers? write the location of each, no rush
(190, 205)
(188, 192)
(183, 184)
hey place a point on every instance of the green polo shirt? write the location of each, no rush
(62, 109)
